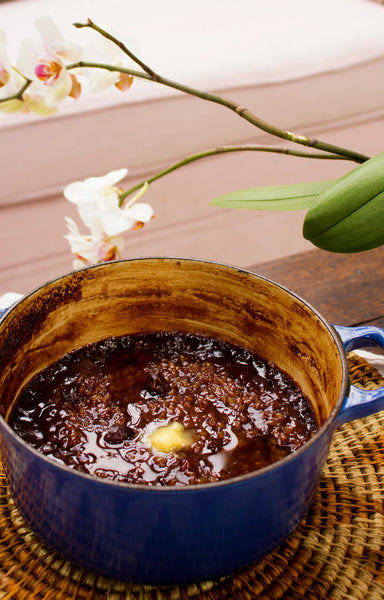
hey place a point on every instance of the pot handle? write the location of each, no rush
(360, 403)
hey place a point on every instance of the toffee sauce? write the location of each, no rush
(92, 409)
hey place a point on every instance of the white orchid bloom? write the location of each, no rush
(106, 52)
(84, 246)
(116, 220)
(89, 194)
(43, 61)
(97, 200)
(90, 250)
(10, 80)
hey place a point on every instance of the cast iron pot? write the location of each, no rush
(167, 535)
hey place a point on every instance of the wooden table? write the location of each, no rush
(347, 289)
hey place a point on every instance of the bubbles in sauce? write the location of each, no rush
(216, 410)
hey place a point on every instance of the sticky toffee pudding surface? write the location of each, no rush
(165, 409)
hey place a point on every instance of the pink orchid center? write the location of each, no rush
(48, 71)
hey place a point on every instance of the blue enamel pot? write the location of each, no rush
(165, 535)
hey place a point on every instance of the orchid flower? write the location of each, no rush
(10, 80)
(90, 250)
(43, 62)
(97, 201)
(105, 51)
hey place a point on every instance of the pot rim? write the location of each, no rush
(329, 423)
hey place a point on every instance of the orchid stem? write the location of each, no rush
(331, 150)
(143, 185)
(243, 112)
(19, 94)
(119, 44)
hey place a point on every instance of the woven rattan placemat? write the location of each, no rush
(337, 552)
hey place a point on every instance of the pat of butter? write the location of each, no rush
(169, 438)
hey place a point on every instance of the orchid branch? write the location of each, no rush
(148, 74)
(243, 112)
(223, 150)
(119, 44)
(342, 214)
(18, 95)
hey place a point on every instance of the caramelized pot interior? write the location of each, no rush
(161, 294)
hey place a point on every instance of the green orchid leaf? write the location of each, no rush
(298, 196)
(357, 232)
(348, 216)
